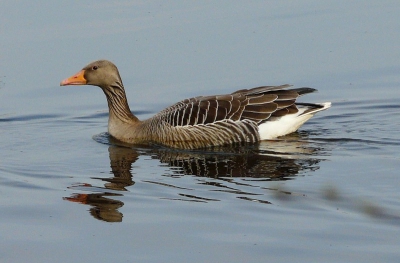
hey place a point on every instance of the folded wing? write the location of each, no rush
(256, 105)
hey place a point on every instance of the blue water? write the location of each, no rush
(328, 193)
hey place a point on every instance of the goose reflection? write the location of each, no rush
(222, 169)
(103, 205)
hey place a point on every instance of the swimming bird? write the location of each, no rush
(244, 116)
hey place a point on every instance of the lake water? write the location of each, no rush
(328, 193)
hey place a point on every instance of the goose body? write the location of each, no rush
(251, 115)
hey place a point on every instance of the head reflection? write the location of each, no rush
(269, 161)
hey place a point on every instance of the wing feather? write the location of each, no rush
(256, 105)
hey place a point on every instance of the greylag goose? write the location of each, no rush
(247, 115)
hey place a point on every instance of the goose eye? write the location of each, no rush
(95, 67)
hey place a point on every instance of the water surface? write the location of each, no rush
(328, 193)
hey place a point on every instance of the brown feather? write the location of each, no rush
(292, 109)
(211, 115)
(304, 90)
(186, 116)
(284, 103)
(225, 105)
(286, 95)
(261, 99)
(227, 97)
(280, 113)
(238, 114)
(234, 109)
(201, 117)
(193, 115)
(266, 108)
(221, 114)
(255, 116)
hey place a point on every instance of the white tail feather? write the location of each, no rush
(289, 123)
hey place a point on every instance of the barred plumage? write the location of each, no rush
(246, 115)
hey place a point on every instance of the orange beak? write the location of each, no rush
(77, 79)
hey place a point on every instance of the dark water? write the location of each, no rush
(328, 193)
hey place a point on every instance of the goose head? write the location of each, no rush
(101, 73)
